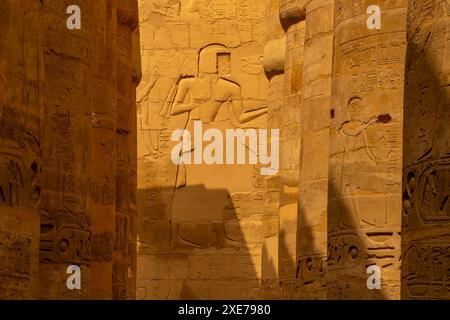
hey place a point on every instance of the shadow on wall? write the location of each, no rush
(207, 256)
(348, 256)
(201, 251)
(350, 252)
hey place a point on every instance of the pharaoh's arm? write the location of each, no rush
(355, 129)
(179, 106)
(238, 113)
(245, 116)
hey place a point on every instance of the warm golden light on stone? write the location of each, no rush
(224, 149)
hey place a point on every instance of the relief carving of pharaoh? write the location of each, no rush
(211, 96)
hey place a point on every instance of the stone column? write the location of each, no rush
(314, 125)
(365, 151)
(21, 112)
(103, 156)
(292, 16)
(123, 255)
(274, 59)
(426, 175)
(66, 150)
(133, 214)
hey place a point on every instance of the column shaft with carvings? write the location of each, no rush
(66, 150)
(89, 167)
(103, 156)
(133, 232)
(426, 175)
(124, 257)
(364, 201)
(21, 113)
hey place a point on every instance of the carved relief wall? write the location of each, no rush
(200, 226)
(364, 202)
(426, 178)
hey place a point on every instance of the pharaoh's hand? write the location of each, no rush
(373, 120)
